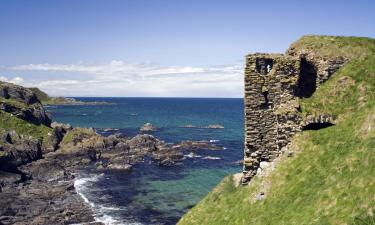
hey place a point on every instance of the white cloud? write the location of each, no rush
(113, 67)
(15, 80)
(118, 78)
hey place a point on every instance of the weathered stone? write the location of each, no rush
(23, 103)
(273, 85)
(264, 165)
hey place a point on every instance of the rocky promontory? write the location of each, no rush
(39, 160)
(48, 100)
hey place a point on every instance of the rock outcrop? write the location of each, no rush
(16, 150)
(148, 127)
(191, 145)
(39, 159)
(22, 103)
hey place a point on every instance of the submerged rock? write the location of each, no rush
(196, 145)
(148, 127)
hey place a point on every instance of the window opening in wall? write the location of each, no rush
(306, 85)
(263, 65)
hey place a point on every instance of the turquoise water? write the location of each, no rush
(151, 194)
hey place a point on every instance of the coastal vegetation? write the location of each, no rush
(10, 122)
(325, 177)
(329, 177)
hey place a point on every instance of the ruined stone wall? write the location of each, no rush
(273, 85)
(271, 107)
(321, 67)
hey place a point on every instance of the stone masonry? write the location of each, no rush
(273, 85)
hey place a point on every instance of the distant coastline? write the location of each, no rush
(48, 100)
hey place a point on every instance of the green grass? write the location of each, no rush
(332, 46)
(11, 122)
(349, 89)
(14, 102)
(77, 135)
(47, 100)
(3, 154)
(330, 180)
(42, 96)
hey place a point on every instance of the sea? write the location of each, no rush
(152, 194)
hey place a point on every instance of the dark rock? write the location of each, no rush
(12, 91)
(19, 152)
(32, 113)
(143, 141)
(23, 103)
(196, 145)
(8, 178)
(61, 127)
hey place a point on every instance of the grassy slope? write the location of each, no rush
(42, 96)
(11, 122)
(330, 46)
(14, 102)
(331, 178)
(46, 99)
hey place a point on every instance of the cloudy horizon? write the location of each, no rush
(104, 48)
(118, 78)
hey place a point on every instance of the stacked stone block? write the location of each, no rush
(271, 108)
(273, 85)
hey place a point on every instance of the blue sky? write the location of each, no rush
(158, 47)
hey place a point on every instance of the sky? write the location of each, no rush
(158, 48)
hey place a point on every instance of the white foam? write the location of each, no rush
(101, 212)
(213, 141)
(80, 186)
(212, 158)
(192, 155)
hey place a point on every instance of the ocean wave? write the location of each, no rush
(192, 155)
(81, 186)
(212, 158)
(102, 213)
(213, 141)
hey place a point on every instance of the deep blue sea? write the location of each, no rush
(150, 194)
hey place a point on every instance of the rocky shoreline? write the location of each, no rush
(42, 191)
(39, 160)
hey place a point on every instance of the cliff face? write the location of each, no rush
(326, 175)
(23, 103)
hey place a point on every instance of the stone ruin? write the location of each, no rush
(273, 85)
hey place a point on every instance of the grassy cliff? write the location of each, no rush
(330, 180)
(10, 122)
(19, 110)
(48, 100)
